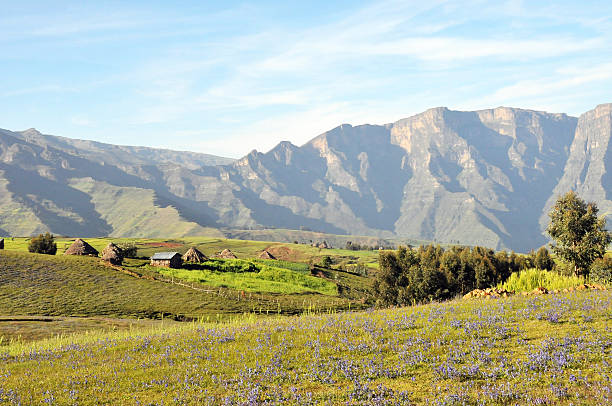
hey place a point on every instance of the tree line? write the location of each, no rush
(409, 276)
(580, 240)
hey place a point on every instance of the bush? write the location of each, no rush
(326, 262)
(128, 249)
(601, 271)
(43, 244)
(529, 279)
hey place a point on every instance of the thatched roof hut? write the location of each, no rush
(226, 254)
(265, 254)
(81, 247)
(194, 255)
(112, 254)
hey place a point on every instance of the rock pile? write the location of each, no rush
(488, 293)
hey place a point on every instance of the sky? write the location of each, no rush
(228, 77)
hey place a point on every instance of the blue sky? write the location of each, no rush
(228, 77)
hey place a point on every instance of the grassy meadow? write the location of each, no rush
(551, 349)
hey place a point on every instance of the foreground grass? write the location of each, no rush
(521, 350)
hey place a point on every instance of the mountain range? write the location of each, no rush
(486, 177)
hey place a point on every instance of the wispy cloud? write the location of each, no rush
(246, 76)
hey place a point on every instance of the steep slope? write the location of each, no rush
(485, 177)
(37, 194)
(471, 177)
(589, 167)
(134, 212)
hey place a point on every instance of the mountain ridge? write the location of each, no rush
(482, 177)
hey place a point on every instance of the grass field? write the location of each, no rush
(263, 278)
(36, 284)
(551, 349)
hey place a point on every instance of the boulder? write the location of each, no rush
(539, 291)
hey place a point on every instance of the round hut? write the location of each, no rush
(81, 247)
(112, 254)
(226, 254)
(265, 254)
(194, 255)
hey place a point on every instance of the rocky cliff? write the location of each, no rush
(485, 177)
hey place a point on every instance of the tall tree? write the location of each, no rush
(580, 236)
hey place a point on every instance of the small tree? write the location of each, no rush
(128, 249)
(580, 236)
(43, 244)
(543, 260)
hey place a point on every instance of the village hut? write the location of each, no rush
(226, 254)
(323, 245)
(265, 254)
(194, 255)
(112, 254)
(81, 247)
(1, 243)
(167, 259)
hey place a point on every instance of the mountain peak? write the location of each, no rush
(31, 132)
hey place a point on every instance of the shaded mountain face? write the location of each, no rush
(588, 170)
(486, 177)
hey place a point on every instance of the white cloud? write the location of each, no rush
(83, 121)
(549, 92)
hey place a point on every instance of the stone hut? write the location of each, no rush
(81, 247)
(167, 259)
(226, 254)
(112, 254)
(194, 255)
(265, 254)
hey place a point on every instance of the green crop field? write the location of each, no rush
(258, 278)
(552, 349)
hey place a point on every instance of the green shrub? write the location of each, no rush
(529, 279)
(326, 261)
(43, 244)
(601, 271)
(128, 249)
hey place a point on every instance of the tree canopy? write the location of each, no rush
(580, 236)
(430, 272)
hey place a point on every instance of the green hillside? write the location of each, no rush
(132, 212)
(35, 284)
